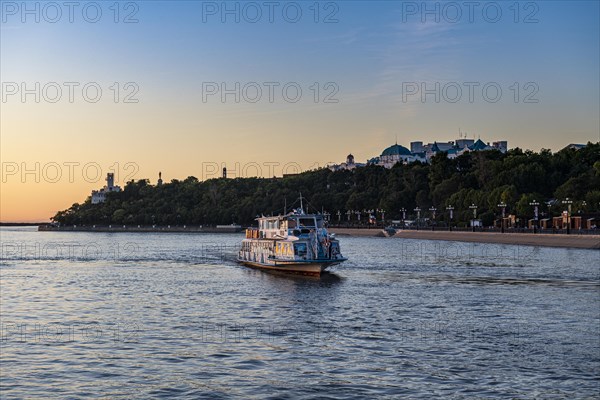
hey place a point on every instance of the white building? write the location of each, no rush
(397, 154)
(422, 152)
(99, 196)
(575, 146)
(348, 165)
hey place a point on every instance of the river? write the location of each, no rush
(163, 315)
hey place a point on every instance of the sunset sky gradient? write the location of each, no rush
(370, 54)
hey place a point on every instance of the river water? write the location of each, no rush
(101, 315)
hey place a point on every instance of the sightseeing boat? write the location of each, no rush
(295, 242)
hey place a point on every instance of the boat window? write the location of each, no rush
(307, 222)
(291, 223)
(300, 249)
(319, 223)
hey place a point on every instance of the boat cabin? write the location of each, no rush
(282, 226)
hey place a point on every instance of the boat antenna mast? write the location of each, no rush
(301, 207)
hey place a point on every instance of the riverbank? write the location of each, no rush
(526, 239)
(145, 229)
(22, 223)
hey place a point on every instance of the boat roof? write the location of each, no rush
(293, 213)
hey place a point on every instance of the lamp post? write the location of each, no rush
(339, 214)
(474, 208)
(433, 210)
(535, 205)
(568, 202)
(451, 209)
(348, 213)
(418, 210)
(502, 205)
(403, 211)
(583, 206)
(582, 211)
(382, 211)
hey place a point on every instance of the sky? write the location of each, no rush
(263, 88)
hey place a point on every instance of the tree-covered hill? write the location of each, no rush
(483, 178)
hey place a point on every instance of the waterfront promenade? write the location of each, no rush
(540, 239)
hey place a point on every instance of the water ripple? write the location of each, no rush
(173, 316)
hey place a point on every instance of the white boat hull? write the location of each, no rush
(313, 268)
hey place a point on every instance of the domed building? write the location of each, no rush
(396, 154)
(422, 152)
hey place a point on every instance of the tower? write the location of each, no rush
(160, 181)
(110, 180)
(224, 172)
(416, 147)
(350, 159)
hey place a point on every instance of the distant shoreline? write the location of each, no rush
(574, 241)
(22, 223)
(142, 229)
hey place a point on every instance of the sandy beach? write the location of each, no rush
(527, 239)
